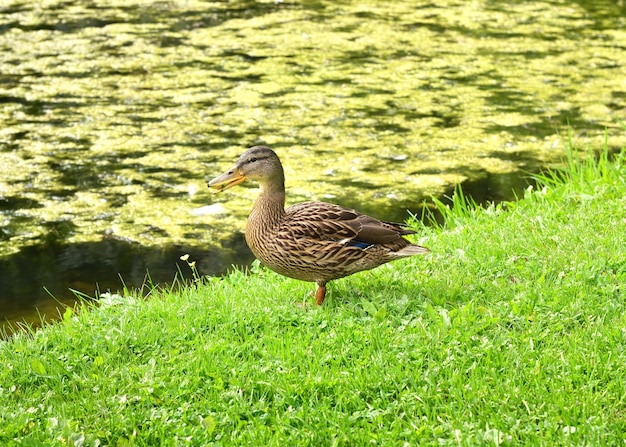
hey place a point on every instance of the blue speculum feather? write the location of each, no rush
(359, 244)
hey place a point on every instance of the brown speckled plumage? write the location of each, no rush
(311, 241)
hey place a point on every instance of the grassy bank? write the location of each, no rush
(512, 332)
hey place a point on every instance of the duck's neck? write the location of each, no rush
(268, 209)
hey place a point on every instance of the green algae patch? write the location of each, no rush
(114, 114)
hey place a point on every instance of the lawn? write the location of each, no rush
(511, 332)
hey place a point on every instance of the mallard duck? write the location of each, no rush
(310, 241)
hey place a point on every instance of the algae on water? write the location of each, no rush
(114, 113)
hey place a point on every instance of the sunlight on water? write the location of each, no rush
(115, 113)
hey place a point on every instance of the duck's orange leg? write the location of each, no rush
(320, 294)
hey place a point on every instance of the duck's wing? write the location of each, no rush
(329, 222)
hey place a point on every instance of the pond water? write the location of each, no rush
(115, 113)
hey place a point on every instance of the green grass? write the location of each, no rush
(511, 332)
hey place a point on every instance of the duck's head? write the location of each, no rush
(258, 163)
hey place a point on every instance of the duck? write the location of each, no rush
(310, 241)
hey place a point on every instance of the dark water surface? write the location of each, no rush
(115, 113)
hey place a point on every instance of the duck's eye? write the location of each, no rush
(253, 159)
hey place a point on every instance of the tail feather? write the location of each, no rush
(411, 250)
